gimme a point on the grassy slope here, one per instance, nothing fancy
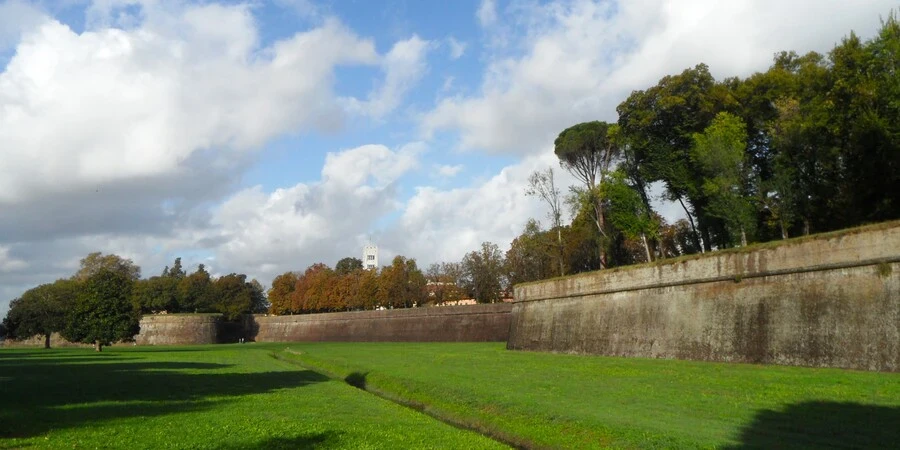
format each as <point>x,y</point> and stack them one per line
<point>228,396</point>
<point>581,401</point>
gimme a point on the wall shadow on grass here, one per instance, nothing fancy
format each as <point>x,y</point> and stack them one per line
<point>42,394</point>
<point>823,425</point>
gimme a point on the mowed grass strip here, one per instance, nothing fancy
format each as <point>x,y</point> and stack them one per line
<point>570,401</point>
<point>227,396</point>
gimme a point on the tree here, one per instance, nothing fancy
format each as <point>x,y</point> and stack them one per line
<point>196,293</point>
<point>402,284</point>
<point>627,211</point>
<point>280,295</point>
<point>95,262</point>
<point>258,301</point>
<point>176,271</point>
<point>528,259</point>
<point>587,151</point>
<point>659,124</point>
<point>482,273</point>
<point>41,310</point>
<point>719,151</point>
<point>156,294</point>
<point>236,296</point>
<point>348,265</point>
<point>541,184</point>
<point>441,283</point>
<point>103,313</point>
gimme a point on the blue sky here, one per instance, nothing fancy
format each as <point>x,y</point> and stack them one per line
<point>264,136</point>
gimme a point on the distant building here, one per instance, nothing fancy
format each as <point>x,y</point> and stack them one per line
<point>370,257</point>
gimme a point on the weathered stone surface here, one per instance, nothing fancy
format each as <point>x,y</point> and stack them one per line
<point>832,301</point>
<point>56,341</point>
<point>179,329</point>
<point>428,324</point>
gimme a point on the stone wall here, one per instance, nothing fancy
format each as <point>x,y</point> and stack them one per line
<point>56,341</point>
<point>179,329</point>
<point>428,324</point>
<point>825,301</point>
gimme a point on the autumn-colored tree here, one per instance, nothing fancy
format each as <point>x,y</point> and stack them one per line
<point>280,294</point>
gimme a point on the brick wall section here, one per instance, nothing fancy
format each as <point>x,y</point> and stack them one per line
<point>473,323</point>
<point>829,301</point>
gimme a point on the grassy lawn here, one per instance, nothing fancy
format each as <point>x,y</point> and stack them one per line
<point>568,401</point>
<point>227,396</point>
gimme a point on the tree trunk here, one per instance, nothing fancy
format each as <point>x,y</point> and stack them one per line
<point>561,250</point>
<point>601,227</point>
<point>784,231</point>
<point>98,346</point>
<point>693,227</point>
<point>47,340</point>
<point>646,247</point>
<point>805,226</point>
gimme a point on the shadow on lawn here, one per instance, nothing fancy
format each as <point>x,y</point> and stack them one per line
<point>309,440</point>
<point>823,425</point>
<point>47,393</point>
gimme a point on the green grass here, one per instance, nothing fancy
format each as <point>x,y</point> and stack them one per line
<point>568,401</point>
<point>227,396</point>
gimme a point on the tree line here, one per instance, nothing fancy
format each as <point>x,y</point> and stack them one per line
<point>810,145</point>
<point>103,301</point>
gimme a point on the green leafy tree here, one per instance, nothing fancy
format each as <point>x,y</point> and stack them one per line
<point>348,265</point>
<point>659,123</point>
<point>482,273</point>
<point>103,313</point>
<point>588,151</point>
<point>720,153</point>
<point>258,301</point>
<point>234,295</point>
<point>95,262</point>
<point>628,212</point>
<point>531,255</point>
<point>41,310</point>
<point>156,294</point>
<point>177,271</point>
<point>196,293</point>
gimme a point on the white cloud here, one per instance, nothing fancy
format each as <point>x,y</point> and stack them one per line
<point>487,13</point>
<point>442,225</point>
<point>170,91</point>
<point>448,171</point>
<point>293,227</point>
<point>582,58</point>
<point>403,66</point>
<point>457,48</point>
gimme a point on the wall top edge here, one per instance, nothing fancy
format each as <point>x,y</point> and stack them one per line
<point>873,244</point>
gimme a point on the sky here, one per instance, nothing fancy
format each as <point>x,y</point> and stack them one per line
<point>261,137</point>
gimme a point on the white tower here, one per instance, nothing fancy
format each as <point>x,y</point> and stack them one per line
<point>370,257</point>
